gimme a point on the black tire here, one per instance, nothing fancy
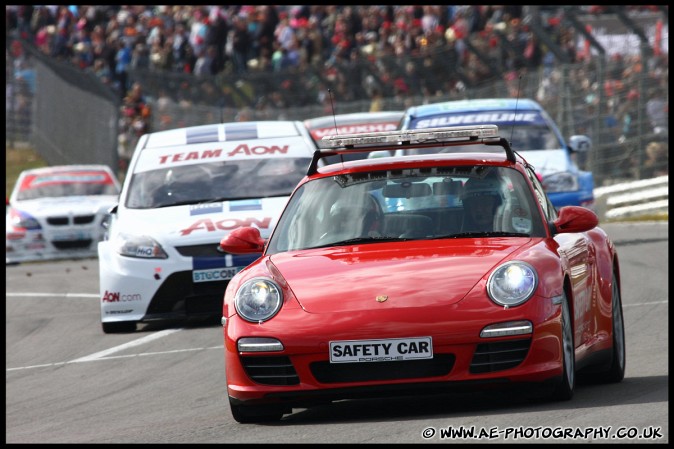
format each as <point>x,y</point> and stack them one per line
<point>119,327</point>
<point>246,414</point>
<point>616,371</point>
<point>564,390</point>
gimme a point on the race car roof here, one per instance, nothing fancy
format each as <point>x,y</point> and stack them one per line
<point>223,132</point>
<point>353,123</point>
<point>477,105</point>
<point>224,141</point>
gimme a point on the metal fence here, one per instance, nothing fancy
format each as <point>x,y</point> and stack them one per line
<point>626,143</point>
<point>73,120</point>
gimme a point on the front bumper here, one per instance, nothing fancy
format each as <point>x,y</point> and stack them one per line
<point>302,373</point>
<point>143,290</point>
<point>37,245</point>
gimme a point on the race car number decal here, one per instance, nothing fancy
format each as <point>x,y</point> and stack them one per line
<point>381,350</point>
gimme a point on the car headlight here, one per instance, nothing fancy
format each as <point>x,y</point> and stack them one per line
<point>19,219</point>
<point>512,283</point>
<point>258,300</point>
<point>560,182</point>
<point>140,246</point>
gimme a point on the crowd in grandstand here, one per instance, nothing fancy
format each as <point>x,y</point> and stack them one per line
<point>109,40</point>
<point>207,40</point>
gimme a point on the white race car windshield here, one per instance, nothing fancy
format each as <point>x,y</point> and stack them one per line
<point>219,181</point>
<point>56,185</point>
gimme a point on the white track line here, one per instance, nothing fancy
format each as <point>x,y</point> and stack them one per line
<point>104,355</point>
<point>130,344</point>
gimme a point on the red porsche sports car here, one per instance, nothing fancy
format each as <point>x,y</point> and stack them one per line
<point>414,274</point>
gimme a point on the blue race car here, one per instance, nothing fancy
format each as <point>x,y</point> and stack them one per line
<point>535,136</point>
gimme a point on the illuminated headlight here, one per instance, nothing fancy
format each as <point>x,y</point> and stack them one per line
<point>560,182</point>
<point>140,246</point>
<point>23,220</point>
<point>258,300</point>
<point>512,283</point>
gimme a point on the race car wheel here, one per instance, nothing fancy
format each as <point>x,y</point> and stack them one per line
<point>119,327</point>
<point>616,372</point>
<point>246,414</point>
<point>564,389</point>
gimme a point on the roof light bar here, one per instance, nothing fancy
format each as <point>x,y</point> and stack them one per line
<point>411,136</point>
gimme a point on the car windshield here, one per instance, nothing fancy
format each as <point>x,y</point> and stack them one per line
<point>526,131</point>
<point>215,181</point>
<point>56,185</point>
<point>398,205</point>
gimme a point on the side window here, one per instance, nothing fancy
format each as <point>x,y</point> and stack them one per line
<point>548,209</point>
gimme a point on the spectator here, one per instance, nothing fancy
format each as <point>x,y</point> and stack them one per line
<point>657,160</point>
<point>657,109</point>
<point>122,61</point>
<point>240,44</point>
<point>627,114</point>
<point>205,64</point>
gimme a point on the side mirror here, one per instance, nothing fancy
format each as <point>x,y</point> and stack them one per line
<point>574,219</point>
<point>244,240</point>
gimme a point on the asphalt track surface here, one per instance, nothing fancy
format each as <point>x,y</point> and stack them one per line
<point>67,382</point>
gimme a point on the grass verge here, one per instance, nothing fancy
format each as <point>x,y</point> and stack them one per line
<point>18,160</point>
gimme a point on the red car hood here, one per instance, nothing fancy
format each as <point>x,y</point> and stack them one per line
<point>411,274</point>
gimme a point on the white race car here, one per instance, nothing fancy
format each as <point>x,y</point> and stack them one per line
<point>184,191</point>
<point>57,212</point>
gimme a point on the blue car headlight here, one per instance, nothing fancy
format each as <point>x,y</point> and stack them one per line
<point>512,283</point>
<point>140,246</point>
<point>561,182</point>
<point>258,299</point>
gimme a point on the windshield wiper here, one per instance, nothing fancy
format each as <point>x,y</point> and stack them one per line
<point>357,240</point>
<point>482,234</point>
<point>178,203</point>
<point>241,198</point>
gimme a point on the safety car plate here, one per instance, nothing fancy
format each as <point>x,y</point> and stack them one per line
<point>349,351</point>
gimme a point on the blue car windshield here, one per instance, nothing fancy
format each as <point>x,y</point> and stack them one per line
<point>526,130</point>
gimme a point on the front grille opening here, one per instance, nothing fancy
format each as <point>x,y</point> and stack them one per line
<point>498,356</point>
<point>72,244</point>
<point>205,250</point>
<point>326,372</point>
<point>178,294</point>
<point>270,370</point>
<point>58,221</point>
<point>84,219</point>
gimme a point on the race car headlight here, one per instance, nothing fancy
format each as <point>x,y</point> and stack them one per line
<point>19,219</point>
<point>140,246</point>
<point>561,182</point>
<point>512,283</point>
<point>258,300</point>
